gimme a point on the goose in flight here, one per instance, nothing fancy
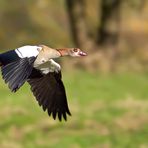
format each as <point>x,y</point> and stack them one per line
<point>35,65</point>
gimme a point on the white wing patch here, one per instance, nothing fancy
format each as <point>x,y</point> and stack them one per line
<point>50,66</point>
<point>28,51</point>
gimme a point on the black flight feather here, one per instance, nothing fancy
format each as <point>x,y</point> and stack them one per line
<point>50,94</point>
<point>17,72</point>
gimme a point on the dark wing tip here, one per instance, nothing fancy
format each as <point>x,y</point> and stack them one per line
<point>59,114</point>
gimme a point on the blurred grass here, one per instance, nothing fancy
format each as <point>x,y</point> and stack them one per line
<point>108,111</point>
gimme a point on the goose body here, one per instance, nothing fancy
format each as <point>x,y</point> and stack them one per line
<point>35,65</point>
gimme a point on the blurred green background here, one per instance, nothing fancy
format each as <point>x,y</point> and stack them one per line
<point>107,90</point>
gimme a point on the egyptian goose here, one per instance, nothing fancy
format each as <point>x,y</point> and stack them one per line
<point>35,65</point>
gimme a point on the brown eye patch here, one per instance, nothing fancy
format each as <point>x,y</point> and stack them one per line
<point>75,50</point>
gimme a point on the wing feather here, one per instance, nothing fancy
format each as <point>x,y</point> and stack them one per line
<point>50,94</point>
<point>16,73</point>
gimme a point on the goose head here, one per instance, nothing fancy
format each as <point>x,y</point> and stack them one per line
<point>73,52</point>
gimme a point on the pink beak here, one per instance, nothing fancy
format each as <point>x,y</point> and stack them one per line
<point>81,53</point>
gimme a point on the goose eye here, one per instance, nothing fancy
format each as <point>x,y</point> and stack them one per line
<point>75,50</point>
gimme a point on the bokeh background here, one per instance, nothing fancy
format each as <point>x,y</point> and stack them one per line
<point>107,90</point>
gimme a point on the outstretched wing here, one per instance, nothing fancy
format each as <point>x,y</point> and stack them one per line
<point>16,73</point>
<point>50,94</point>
